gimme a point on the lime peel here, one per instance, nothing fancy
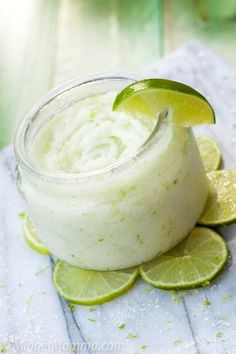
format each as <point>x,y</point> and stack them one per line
<point>220,208</point>
<point>192,263</point>
<point>147,98</point>
<point>210,153</point>
<point>87,287</point>
<point>31,236</point>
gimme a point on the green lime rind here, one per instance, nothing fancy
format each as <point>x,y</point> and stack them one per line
<point>31,236</point>
<point>163,84</point>
<point>86,287</point>
<point>22,214</point>
<point>210,153</point>
<point>220,208</point>
<point>149,97</point>
<point>196,261</point>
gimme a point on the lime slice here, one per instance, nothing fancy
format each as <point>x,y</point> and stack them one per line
<point>210,153</point>
<point>147,98</point>
<point>32,237</point>
<point>194,262</point>
<point>220,207</point>
<point>88,287</point>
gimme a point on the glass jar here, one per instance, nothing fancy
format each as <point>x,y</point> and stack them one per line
<point>124,214</point>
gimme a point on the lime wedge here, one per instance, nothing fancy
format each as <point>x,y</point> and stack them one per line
<point>32,237</point>
<point>210,153</point>
<point>220,207</point>
<point>88,287</point>
<point>147,98</point>
<point>194,262</point>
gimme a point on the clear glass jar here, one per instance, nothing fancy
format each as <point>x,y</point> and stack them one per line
<point>122,215</point>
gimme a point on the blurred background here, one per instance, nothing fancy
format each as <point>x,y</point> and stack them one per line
<point>45,42</point>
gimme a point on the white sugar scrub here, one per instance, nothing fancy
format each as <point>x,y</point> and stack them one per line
<point>88,136</point>
<point>103,190</point>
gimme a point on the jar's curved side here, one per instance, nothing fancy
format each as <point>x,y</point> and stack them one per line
<point>127,226</point>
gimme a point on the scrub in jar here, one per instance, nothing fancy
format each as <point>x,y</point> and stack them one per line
<point>107,197</point>
<point>88,137</point>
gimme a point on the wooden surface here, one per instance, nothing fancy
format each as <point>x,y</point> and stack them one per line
<point>156,322</point>
<point>45,42</point>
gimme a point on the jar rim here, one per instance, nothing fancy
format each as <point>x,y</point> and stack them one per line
<point>20,143</point>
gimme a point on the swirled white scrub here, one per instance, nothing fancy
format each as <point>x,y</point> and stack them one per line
<point>121,217</point>
<point>88,137</point>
